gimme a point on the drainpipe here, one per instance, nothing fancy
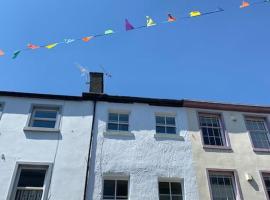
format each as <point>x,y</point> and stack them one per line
<point>87,175</point>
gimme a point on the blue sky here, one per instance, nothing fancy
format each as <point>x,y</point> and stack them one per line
<point>221,57</point>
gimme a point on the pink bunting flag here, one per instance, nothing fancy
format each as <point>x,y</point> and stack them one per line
<point>245,4</point>
<point>2,53</point>
<point>32,46</point>
<point>171,18</point>
<point>128,25</point>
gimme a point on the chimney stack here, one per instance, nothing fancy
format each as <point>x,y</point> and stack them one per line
<point>96,82</point>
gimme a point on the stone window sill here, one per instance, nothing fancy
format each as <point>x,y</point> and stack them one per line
<point>169,136</point>
<point>38,129</point>
<point>228,148</point>
<point>118,133</point>
<point>258,150</point>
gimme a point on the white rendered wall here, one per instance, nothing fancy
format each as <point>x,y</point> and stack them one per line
<point>67,182</point>
<point>141,158</point>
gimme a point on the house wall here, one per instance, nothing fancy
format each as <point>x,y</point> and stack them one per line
<point>141,157</point>
<point>241,158</point>
<point>67,150</point>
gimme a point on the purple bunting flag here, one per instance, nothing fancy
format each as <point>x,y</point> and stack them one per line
<point>128,25</point>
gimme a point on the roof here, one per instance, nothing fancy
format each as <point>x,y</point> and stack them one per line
<point>151,101</point>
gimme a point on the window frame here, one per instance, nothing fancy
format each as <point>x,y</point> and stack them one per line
<point>30,165</point>
<point>264,186</point>
<point>172,180</point>
<point>224,132</point>
<point>115,178</point>
<point>47,107</point>
<point>236,183</point>
<point>118,113</point>
<point>267,126</point>
<point>165,125</point>
<point>1,109</point>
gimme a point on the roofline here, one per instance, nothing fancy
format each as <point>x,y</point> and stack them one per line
<point>151,101</point>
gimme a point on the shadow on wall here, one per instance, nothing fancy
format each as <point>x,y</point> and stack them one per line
<point>254,184</point>
<point>38,135</point>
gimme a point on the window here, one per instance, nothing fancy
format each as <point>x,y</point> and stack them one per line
<point>258,133</point>
<point>115,189</point>
<point>266,180</point>
<point>170,191</point>
<point>30,183</point>
<point>44,117</point>
<point>223,186</point>
<point>118,122</point>
<point>212,130</point>
<point>165,125</point>
<point>1,110</point>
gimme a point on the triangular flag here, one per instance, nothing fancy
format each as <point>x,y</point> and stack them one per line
<point>108,32</point>
<point>171,18</point>
<point>15,54</point>
<point>86,39</point>
<point>67,41</point>
<point>2,53</point>
<point>128,25</point>
<point>195,13</point>
<point>149,21</point>
<point>50,46</point>
<point>32,46</point>
<point>244,4</point>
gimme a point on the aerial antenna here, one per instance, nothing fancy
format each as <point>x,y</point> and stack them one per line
<point>109,75</point>
<point>84,72</point>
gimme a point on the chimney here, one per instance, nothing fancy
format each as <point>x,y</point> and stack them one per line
<point>96,82</point>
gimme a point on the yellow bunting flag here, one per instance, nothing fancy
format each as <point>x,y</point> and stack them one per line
<point>86,39</point>
<point>244,4</point>
<point>149,21</point>
<point>50,46</point>
<point>108,32</point>
<point>195,13</point>
<point>2,53</point>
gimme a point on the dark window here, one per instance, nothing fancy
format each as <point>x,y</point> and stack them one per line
<point>212,131</point>
<point>165,124</point>
<point>115,189</point>
<point>170,191</point>
<point>118,122</point>
<point>44,117</point>
<point>266,179</point>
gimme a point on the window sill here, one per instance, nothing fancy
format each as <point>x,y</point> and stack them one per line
<point>37,129</point>
<point>118,133</point>
<point>228,148</point>
<point>169,136</point>
<point>257,150</point>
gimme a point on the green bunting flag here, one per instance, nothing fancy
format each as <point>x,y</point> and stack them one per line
<point>15,54</point>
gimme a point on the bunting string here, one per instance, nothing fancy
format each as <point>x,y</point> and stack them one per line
<point>128,27</point>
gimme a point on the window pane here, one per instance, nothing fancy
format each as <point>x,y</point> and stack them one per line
<point>112,126</point>
<point>160,120</point>
<point>123,127</point>
<point>113,117</point>
<point>160,129</point>
<point>26,194</point>
<point>43,124</point>
<point>260,140</point>
<point>176,188</point>
<point>177,198</point>
<point>164,197</point>
<point>31,178</point>
<point>109,188</point>
<point>170,120</point>
<point>123,118</point>
<point>45,114</point>
<point>122,188</point>
<point>164,188</point>
<point>171,130</point>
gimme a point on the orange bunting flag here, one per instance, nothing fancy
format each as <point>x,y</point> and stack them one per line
<point>32,46</point>
<point>2,53</point>
<point>171,18</point>
<point>245,4</point>
<point>86,39</point>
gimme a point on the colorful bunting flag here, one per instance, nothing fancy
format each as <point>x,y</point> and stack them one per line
<point>108,32</point>
<point>15,54</point>
<point>128,25</point>
<point>195,13</point>
<point>149,21</point>
<point>2,53</point>
<point>86,39</point>
<point>245,4</point>
<point>32,46</point>
<point>50,46</point>
<point>171,18</point>
<point>67,41</point>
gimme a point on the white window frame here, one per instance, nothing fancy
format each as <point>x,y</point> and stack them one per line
<point>166,125</point>
<point>118,122</point>
<point>172,180</point>
<point>31,118</point>
<point>30,165</point>
<point>113,178</point>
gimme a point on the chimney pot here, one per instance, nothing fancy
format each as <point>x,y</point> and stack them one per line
<point>96,82</point>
